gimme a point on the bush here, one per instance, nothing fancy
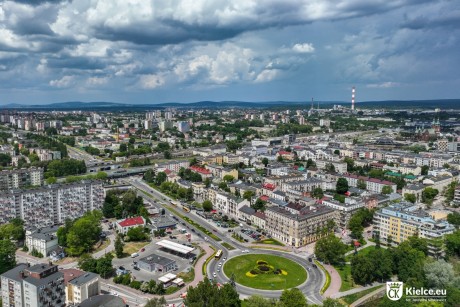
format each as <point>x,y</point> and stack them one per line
<point>264,268</point>
<point>135,284</point>
<point>261,262</point>
<point>253,272</point>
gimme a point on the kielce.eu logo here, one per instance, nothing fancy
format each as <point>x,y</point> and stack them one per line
<point>394,290</point>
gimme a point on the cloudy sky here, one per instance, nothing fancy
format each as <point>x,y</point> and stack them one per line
<point>151,51</point>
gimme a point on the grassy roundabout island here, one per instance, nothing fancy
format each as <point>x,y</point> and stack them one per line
<point>266,272</point>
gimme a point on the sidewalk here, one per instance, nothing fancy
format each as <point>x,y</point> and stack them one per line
<point>336,281</point>
<point>356,290</point>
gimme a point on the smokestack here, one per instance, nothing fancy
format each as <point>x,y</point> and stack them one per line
<point>353,98</point>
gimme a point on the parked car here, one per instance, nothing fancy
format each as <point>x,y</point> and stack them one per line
<point>134,255</point>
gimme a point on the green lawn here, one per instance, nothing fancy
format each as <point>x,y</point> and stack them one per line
<point>270,241</point>
<point>345,274</point>
<point>292,273</point>
<point>356,296</point>
<point>364,251</point>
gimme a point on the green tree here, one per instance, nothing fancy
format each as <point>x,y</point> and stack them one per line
<point>337,152</point>
<point>409,264</point>
<point>425,169</point>
<point>410,197</point>
<point>101,175</point>
<point>160,178</point>
<point>13,230</point>
<point>454,219</point>
<point>248,195</point>
<point>104,265</point>
<point>207,205</point>
<point>361,184</point>
<point>387,190</point>
<point>265,161</point>
<point>228,178</point>
<point>350,163</point>
<point>293,297</point>
<point>51,180</point>
<point>156,302</point>
<point>132,140</point>
<point>87,263</point>
<point>317,193</point>
<point>259,301</point>
<point>119,247</point>
<point>7,255</point>
<point>452,242</point>
<point>330,249</point>
<point>83,234</point>
<point>311,163</point>
<point>110,203</point>
<point>208,294</point>
<point>123,147</point>
<point>428,194</point>
<point>342,186</point>
<point>259,205</point>
<point>136,234</point>
<point>439,274</point>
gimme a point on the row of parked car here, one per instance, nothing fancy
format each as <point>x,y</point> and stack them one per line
<point>251,233</point>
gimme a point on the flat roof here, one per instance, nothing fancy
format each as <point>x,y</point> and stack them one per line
<point>167,278</point>
<point>180,248</point>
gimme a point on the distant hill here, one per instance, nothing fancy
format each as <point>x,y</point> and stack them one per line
<point>103,105</point>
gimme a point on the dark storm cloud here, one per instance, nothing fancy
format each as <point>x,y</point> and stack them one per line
<point>37,2</point>
<point>77,63</point>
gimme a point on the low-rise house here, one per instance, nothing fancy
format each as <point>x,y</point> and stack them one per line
<point>43,240</point>
<point>124,225</point>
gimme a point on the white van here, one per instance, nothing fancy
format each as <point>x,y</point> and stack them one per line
<point>134,255</point>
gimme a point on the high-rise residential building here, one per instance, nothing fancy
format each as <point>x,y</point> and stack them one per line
<point>20,178</point>
<point>52,204</point>
<point>163,125</point>
<point>183,126</point>
<point>148,124</point>
<point>168,115</point>
<point>41,285</point>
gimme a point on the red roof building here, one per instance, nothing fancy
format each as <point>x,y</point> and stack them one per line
<point>201,170</point>
<point>124,225</point>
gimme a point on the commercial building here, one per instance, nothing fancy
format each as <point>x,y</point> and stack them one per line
<point>156,263</point>
<point>20,178</point>
<point>36,286</point>
<point>52,204</point>
<point>297,225</point>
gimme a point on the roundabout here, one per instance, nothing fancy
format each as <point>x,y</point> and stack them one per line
<point>265,272</point>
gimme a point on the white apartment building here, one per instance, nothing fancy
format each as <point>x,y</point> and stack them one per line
<point>44,240</point>
<point>174,166</point>
<point>19,178</point>
<point>52,204</point>
<point>372,184</point>
<point>345,210</point>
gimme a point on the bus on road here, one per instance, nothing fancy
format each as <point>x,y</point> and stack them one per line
<point>218,254</point>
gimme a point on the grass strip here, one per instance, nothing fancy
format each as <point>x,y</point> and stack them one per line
<point>356,296</point>
<point>228,246</point>
<point>328,278</point>
<point>205,264</point>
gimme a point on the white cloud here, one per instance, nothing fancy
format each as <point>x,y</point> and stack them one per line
<point>151,81</point>
<point>267,75</point>
<point>303,48</point>
<point>94,81</point>
<point>64,82</point>
<point>388,84</point>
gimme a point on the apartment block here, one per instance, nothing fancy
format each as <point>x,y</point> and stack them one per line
<point>81,287</point>
<point>20,178</point>
<point>344,210</point>
<point>52,204</point>
<point>372,184</point>
<point>36,286</point>
<point>402,220</point>
<point>297,225</point>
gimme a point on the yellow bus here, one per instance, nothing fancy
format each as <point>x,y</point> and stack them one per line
<point>186,209</point>
<point>218,254</point>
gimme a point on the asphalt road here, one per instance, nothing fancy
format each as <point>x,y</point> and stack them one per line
<point>310,288</point>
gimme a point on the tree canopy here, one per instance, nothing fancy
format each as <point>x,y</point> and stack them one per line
<point>330,249</point>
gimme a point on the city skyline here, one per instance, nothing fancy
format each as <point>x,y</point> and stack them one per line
<point>149,52</point>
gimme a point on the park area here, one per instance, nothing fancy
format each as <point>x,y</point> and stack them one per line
<point>266,272</point>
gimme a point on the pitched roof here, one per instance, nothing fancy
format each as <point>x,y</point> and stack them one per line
<point>132,221</point>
